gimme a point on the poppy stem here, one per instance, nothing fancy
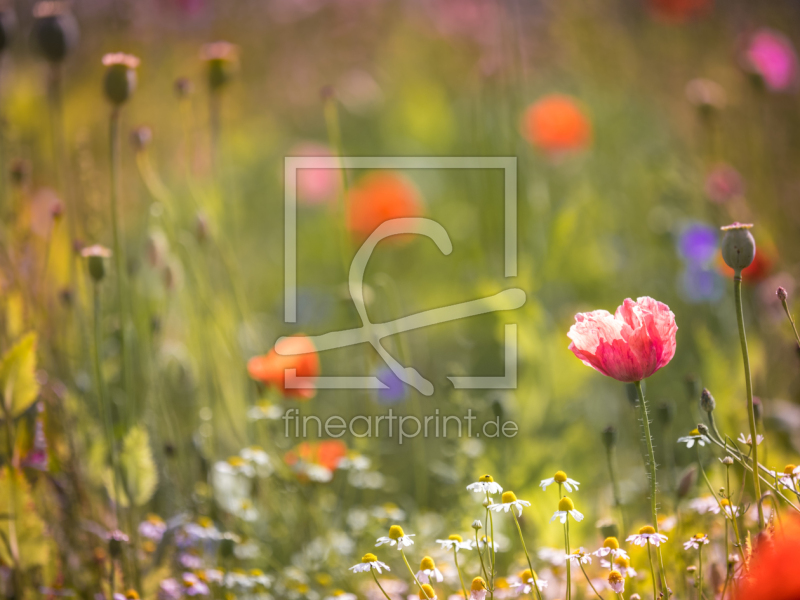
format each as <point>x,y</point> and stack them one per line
<point>737,293</point>
<point>460,577</point>
<point>589,581</point>
<point>653,486</point>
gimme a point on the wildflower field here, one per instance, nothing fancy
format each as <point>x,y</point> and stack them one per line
<point>399,299</point>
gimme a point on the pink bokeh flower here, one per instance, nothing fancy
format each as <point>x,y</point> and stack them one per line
<point>629,345</point>
<point>771,55</point>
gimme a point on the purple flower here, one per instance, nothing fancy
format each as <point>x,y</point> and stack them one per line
<point>170,589</point>
<point>152,528</point>
<point>699,284</point>
<point>192,586</point>
<point>771,55</point>
<point>697,243</point>
<point>190,561</point>
<point>395,391</point>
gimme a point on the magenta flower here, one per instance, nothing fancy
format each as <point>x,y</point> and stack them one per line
<point>771,55</point>
<point>629,345</point>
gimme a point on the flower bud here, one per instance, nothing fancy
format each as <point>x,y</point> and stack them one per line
<point>782,294</point>
<point>727,461</point>
<point>119,82</point>
<point>476,524</point>
<point>222,61</point>
<point>738,246</point>
<point>706,95</point>
<point>55,30</point>
<point>707,402</point>
<point>183,87</point>
<point>609,436</point>
<point>8,26</point>
<point>95,257</point>
<point>141,138</point>
<point>115,540</point>
<point>702,428</point>
<point>664,413</point>
<point>20,172</point>
<point>686,481</point>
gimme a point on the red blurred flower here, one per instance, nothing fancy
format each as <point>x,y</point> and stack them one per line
<point>774,567</point>
<point>629,345</point>
<point>679,10</point>
<point>270,369</point>
<point>557,124</point>
<point>316,461</point>
<point>315,186</point>
<point>379,197</point>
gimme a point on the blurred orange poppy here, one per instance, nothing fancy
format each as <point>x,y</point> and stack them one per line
<point>679,10</point>
<point>316,461</point>
<point>557,124</point>
<point>379,197</point>
<point>774,566</point>
<point>758,270</point>
<point>270,369</point>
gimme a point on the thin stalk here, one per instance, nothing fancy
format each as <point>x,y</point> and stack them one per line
<point>480,556</point>
<point>737,293</point>
<point>791,320</point>
<point>700,569</point>
<point>491,542</point>
<point>652,571</point>
<point>589,581</point>
<point>458,570</point>
<point>13,542</point>
<point>566,549</point>
<point>653,486</point>
<point>527,556</point>
<point>375,577</point>
<point>410,570</point>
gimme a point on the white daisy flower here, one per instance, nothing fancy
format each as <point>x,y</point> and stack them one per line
<point>552,556</point>
<point>611,547</point>
<point>703,504</point>
<point>616,582</point>
<point>790,476</point>
<point>487,542</point>
<point>579,556</point>
<point>354,462</point>
<point>396,537</point>
<point>259,579</point>
<point>478,589</point>
<point>509,501</point>
<point>485,485</point>
<point>264,411</point>
<point>696,541</point>
<point>235,465</point>
<point>368,562</point>
<point>340,595</point>
<point>455,541</point>
<point>647,535</point>
<point>260,460</point>
<point>667,523</point>
<point>524,583</point>
<point>621,564</point>
<point>749,439</point>
<point>566,508</point>
<point>730,511</point>
<point>560,477</point>
<point>214,575</point>
<point>428,571</point>
<point>694,437</point>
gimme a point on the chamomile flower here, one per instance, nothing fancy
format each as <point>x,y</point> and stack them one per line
<point>566,508</point>
<point>485,485</point>
<point>560,477</point>
<point>621,564</point>
<point>478,589</point>
<point>696,541</point>
<point>487,541</point>
<point>368,562</point>
<point>428,571</point>
<point>789,476</point>
<point>235,465</point>
<point>194,586</point>
<point>749,439</point>
<point>694,437</point>
<point>340,595</point>
<point>259,459</point>
<point>579,556</point>
<point>667,523</point>
<point>455,541</point>
<point>703,504</point>
<point>509,501</point>
<point>426,592</point>
<point>647,535</point>
<point>611,546</point>
<point>616,582</point>
<point>524,584</point>
<point>396,537</point>
<point>725,504</point>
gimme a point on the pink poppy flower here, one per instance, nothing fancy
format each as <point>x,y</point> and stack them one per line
<point>771,55</point>
<point>629,345</point>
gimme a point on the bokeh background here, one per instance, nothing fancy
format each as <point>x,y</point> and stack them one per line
<point>682,116</point>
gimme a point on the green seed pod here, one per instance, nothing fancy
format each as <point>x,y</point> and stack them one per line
<point>95,257</point>
<point>707,402</point>
<point>119,82</point>
<point>738,246</point>
<point>609,436</point>
<point>55,31</point>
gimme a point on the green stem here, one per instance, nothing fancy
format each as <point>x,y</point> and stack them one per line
<point>737,293</point>
<point>700,569</point>
<point>490,542</point>
<point>527,556</point>
<point>13,542</point>
<point>648,438</point>
<point>791,320</point>
<point>375,577</point>
<point>480,556</point>
<point>410,570</point>
<point>566,549</point>
<point>652,570</point>
<point>458,570</point>
<point>589,581</point>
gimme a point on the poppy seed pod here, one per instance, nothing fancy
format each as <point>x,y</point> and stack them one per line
<point>738,246</point>
<point>222,61</point>
<point>609,436</point>
<point>55,31</point>
<point>707,402</point>
<point>8,26</point>
<point>95,257</point>
<point>119,82</point>
<point>141,138</point>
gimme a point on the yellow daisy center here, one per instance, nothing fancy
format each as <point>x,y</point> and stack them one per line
<point>725,502</point>
<point>527,575</point>
<point>236,461</point>
<point>154,519</point>
<point>132,595</point>
<point>486,479</point>
<point>694,432</point>
<point>699,536</point>
<point>623,562</point>
<point>426,591</point>
<point>509,497</point>
<point>611,542</point>
<point>455,537</point>
<point>560,477</point>
<point>615,577</point>
<point>501,583</point>
<point>478,584</point>
<point>647,529</point>
<point>396,532</point>
<point>368,558</point>
<point>565,504</point>
<point>256,448</point>
<point>789,469</point>
<point>427,564</point>
<point>205,522</point>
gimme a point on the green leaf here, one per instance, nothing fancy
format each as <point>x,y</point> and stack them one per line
<point>18,376</point>
<point>28,530</point>
<point>139,473</point>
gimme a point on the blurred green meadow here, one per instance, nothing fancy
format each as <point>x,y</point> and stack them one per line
<point>136,391</point>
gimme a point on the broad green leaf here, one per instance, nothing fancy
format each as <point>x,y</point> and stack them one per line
<point>28,530</point>
<point>138,470</point>
<point>18,376</point>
